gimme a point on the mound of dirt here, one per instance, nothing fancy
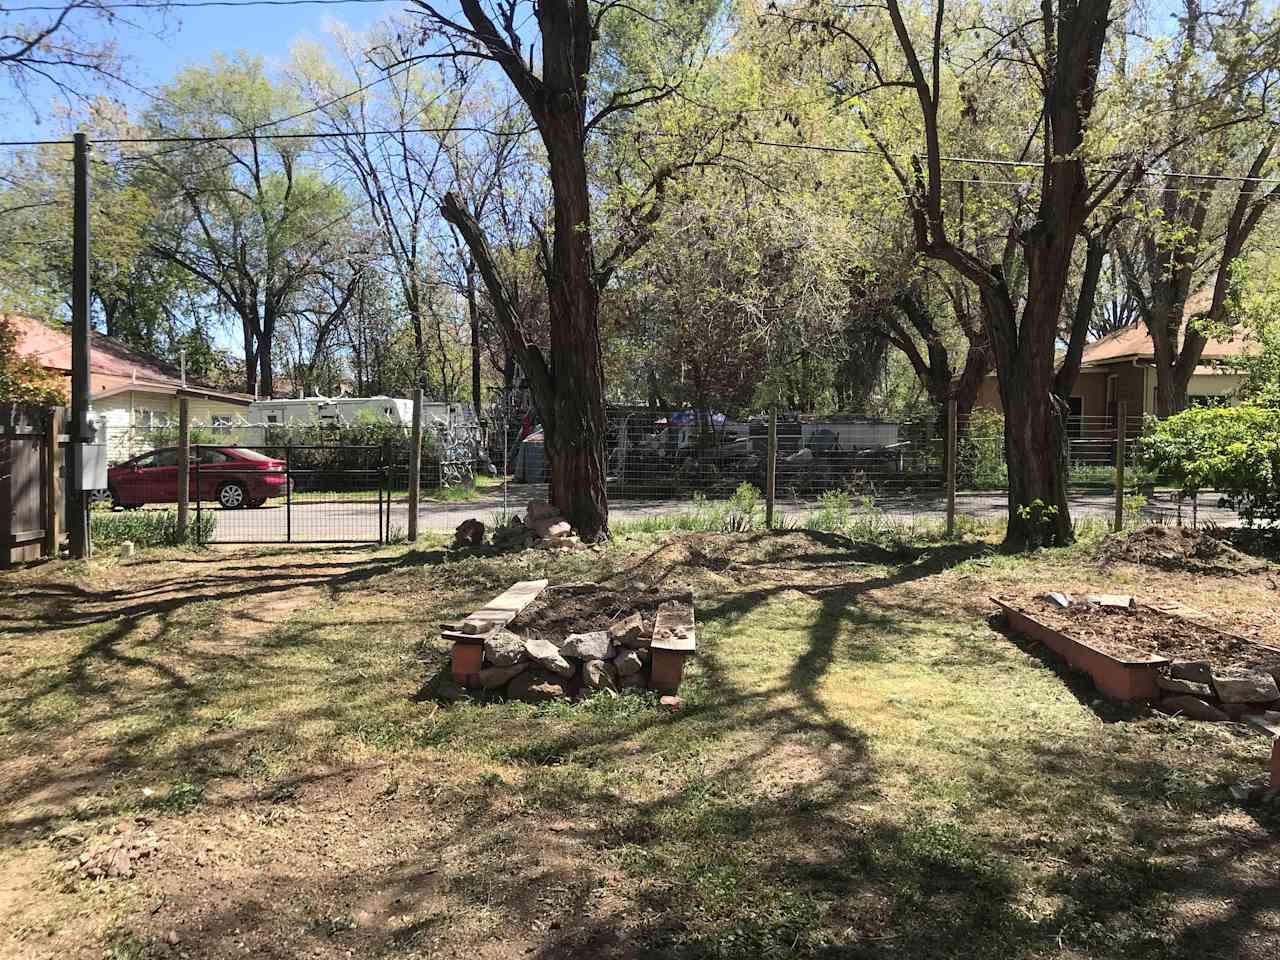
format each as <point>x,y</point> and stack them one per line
<point>1181,549</point>
<point>586,607</point>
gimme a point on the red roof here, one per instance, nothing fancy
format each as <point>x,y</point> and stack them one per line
<point>112,364</point>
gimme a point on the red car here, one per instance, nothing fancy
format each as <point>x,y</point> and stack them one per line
<point>233,476</point>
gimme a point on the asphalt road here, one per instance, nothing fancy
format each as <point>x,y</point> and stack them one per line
<point>355,517</point>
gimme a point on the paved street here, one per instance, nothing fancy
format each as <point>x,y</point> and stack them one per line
<point>356,516</point>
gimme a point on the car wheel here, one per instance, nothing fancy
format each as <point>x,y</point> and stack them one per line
<point>231,496</point>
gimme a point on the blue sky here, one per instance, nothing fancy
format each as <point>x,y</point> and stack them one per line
<point>159,45</point>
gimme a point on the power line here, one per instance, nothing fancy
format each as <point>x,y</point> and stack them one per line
<point>162,5</point>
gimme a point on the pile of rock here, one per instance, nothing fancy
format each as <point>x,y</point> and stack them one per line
<point>1198,690</point>
<point>536,668</point>
<point>542,526</point>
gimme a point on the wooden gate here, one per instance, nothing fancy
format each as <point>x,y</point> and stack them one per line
<point>32,507</point>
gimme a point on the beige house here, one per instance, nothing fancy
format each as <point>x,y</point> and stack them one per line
<point>135,393</point>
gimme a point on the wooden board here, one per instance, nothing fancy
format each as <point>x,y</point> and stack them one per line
<point>673,628</point>
<point>497,613</point>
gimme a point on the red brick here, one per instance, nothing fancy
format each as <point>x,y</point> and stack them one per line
<point>467,658</point>
<point>1275,763</point>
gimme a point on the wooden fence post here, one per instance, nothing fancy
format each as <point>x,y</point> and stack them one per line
<point>415,464</point>
<point>771,469</point>
<point>1121,423</point>
<point>953,449</point>
<point>52,483</point>
<point>184,466</point>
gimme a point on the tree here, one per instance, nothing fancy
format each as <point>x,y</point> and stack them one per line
<point>1214,91</point>
<point>244,213</point>
<point>568,386</point>
<point>22,379</point>
<point>64,46</point>
<point>1048,66</point>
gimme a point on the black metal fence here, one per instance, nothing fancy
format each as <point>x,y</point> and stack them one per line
<point>317,493</point>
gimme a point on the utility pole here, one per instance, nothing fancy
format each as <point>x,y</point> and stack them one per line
<point>78,502</point>
<point>415,464</point>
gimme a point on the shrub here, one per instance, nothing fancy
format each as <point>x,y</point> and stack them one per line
<point>149,528</point>
<point>981,454</point>
<point>1233,450</point>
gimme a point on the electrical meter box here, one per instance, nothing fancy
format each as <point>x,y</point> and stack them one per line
<point>93,454</point>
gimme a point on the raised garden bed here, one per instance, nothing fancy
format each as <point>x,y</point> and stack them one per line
<point>535,642</point>
<point>1137,652</point>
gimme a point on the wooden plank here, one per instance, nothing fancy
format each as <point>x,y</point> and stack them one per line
<point>52,483</point>
<point>500,611</point>
<point>673,628</point>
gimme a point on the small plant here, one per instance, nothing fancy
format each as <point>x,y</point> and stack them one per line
<point>1131,509</point>
<point>743,510</point>
<point>1039,518</point>
<point>832,515</point>
<point>150,528</point>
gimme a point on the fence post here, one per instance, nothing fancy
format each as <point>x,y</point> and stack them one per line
<point>952,454</point>
<point>184,466</point>
<point>53,483</point>
<point>1121,422</point>
<point>415,465</point>
<point>288,494</point>
<point>771,469</point>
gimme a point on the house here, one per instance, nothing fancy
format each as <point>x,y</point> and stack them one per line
<point>134,392</point>
<point>1121,367</point>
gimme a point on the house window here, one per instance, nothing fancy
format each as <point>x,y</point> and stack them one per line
<point>272,418</point>
<point>1206,400</point>
<point>152,419</point>
<point>222,421</point>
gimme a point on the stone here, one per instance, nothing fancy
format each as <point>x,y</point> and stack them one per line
<point>539,510</point>
<point>587,646</point>
<point>1193,708</point>
<point>1197,671</point>
<point>504,649</point>
<point>632,681</point>
<point>450,692</point>
<point>1058,599</point>
<point>628,662</point>
<point>470,533</point>
<point>552,529</point>
<point>547,655</point>
<point>493,677</point>
<point>671,702</point>
<point>1267,721</point>
<point>599,675</point>
<point>1201,690</point>
<point>628,632</point>
<point>535,686</point>
<point>1120,601</point>
<point>1249,686</point>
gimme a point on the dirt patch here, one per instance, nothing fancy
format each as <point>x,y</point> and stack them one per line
<point>585,607</point>
<point>1120,632</point>
<point>1181,548</point>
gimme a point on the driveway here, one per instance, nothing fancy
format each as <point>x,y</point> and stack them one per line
<point>348,518</point>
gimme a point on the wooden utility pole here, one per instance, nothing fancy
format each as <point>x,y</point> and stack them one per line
<point>953,448</point>
<point>415,463</point>
<point>1121,418</point>
<point>771,469</point>
<point>184,466</point>
<point>77,501</point>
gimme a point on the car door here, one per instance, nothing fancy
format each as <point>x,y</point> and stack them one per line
<point>212,470</point>
<point>160,480</point>
<point>129,483</point>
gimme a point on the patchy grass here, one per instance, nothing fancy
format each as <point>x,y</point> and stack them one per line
<point>862,766</point>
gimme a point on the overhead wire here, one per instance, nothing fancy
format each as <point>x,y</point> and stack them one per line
<point>166,4</point>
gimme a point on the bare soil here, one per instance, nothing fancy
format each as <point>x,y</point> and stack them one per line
<point>1120,632</point>
<point>1181,548</point>
<point>586,607</point>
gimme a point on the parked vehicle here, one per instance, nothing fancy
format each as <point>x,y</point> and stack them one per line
<point>233,476</point>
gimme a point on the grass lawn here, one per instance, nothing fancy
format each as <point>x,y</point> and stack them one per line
<point>863,766</point>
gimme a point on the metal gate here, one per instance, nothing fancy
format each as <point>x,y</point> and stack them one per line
<point>317,493</point>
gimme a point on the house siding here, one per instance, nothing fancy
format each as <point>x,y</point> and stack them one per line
<point>131,415</point>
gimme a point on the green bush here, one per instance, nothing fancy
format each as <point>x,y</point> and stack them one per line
<point>981,455</point>
<point>149,528</point>
<point>1233,450</point>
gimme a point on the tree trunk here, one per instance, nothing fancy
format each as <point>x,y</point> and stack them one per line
<point>575,440</point>
<point>473,310</point>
